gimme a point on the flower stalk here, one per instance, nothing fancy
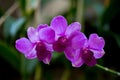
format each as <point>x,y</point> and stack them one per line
<point>108,70</point>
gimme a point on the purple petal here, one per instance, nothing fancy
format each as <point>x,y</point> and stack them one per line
<point>32,34</point>
<point>72,28</point>
<point>59,25</point>
<point>39,27</point>
<point>77,61</point>
<point>26,47</point>
<point>49,47</point>
<point>23,45</point>
<point>47,34</point>
<point>78,40</point>
<point>48,58</point>
<point>69,53</point>
<point>31,54</point>
<point>98,54</point>
<point>96,42</point>
<point>74,56</point>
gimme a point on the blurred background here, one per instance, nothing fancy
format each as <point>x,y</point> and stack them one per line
<point>96,16</point>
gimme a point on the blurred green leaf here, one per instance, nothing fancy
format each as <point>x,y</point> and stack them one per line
<point>99,8</point>
<point>1,12</point>
<point>7,26</point>
<point>44,2</point>
<point>110,12</point>
<point>31,65</point>
<point>27,67</point>
<point>31,5</point>
<point>12,26</point>
<point>38,72</point>
<point>22,4</point>
<point>117,37</point>
<point>56,55</point>
<point>16,26</point>
<point>10,55</point>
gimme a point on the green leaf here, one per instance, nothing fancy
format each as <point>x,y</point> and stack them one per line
<point>7,26</point>
<point>31,64</point>
<point>12,26</point>
<point>16,26</point>
<point>117,37</point>
<point>27,67</point>
<point>10,55</point>
<point>99,8</point>
<point>31,5</point>
<point>110,12</point>
<point>56,55</point>
<point>22,4</point>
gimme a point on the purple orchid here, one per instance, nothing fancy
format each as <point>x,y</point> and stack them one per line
<point>39,44</point>
<point>92,50</point>
<point>65,34</point>
<point>61,37</point>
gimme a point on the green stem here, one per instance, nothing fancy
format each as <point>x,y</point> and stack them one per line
<point>66,74</point>
<point>38,73</point>
<point>108,70</point>
<point>80,12</point>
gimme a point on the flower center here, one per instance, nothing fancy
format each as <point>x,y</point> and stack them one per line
<point>60,44</point>
<point>41,51</point>
<point>62,39</point>
<point>88,57</point>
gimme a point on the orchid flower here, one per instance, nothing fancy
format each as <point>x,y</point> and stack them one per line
<point>64,33</point>
<point>89,52</point>
<point>61,37</point>
<point>38,44</point>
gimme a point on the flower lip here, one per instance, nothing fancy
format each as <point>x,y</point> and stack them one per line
<point>62,39</point>
<point>60,44</point>
<point>88,57</point>
<point>41,51</point>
